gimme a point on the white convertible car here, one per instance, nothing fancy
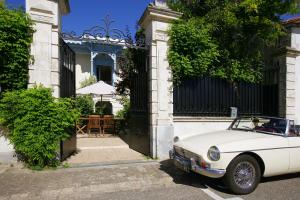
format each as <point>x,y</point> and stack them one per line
<point>249,149</point>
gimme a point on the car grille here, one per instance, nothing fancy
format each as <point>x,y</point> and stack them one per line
<point>184,153</point>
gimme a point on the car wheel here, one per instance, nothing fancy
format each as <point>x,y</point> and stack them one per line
<point>243,175</point>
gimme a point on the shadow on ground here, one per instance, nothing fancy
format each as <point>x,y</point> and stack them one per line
<point>199,181</point>
<point>280,178</point>
<point>137,142</point>
<point>191,179</point>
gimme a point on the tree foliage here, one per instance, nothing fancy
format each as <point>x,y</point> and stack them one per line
<point>88,81</point>
<point>225,38</point>
<point>130,63</point>
<point>85,104</point>
<point>15,39</point>
<point>124,112</point>
<point>192,48</point>
<point>37,123</point>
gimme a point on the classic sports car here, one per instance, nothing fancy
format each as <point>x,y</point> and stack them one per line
<point>248,149</point>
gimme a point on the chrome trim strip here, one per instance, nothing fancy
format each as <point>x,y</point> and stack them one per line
<point>295,147</point>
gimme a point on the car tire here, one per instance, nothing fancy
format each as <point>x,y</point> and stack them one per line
<point>243,175</point>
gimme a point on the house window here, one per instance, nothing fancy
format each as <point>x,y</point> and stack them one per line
<point>104,73</point>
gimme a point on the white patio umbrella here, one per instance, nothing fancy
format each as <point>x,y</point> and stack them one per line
<point>98,89</point>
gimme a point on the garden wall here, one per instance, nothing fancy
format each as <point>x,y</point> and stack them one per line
<point>185,126</point>
<point>6,151</point>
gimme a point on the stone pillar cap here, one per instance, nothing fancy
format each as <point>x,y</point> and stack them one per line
<point>159,13</point>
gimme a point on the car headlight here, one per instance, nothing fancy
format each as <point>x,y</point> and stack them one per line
<point>213,153</point>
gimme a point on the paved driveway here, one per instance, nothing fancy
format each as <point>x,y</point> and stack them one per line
<point>150,180</point>
<point>103,150</point>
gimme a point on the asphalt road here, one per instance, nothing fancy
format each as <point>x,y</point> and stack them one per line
<point>151,180</point>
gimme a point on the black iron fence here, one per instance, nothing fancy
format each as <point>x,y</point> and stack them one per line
<point>207,96</point>
<point>67,70</point>
<point>67,89</point>
<point>139,85</point>
<point>271,93</point>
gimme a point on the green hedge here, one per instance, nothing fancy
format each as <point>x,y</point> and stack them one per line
<point>37,123</point>
<point>85,105</point>
<point>15,39</point>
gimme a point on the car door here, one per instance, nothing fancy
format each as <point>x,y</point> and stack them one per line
<point>294,147</point>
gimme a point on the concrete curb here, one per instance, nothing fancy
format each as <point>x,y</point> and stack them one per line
<point>111,164</point>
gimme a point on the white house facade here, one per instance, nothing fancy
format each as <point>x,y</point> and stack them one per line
<point>97,57</point>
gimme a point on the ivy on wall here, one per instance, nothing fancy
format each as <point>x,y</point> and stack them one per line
<point>225,39</point>
<point>15,39</point>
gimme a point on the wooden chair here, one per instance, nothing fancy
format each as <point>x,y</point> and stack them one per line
<point>108,124</point>
<point>81,125</point>
<point>94,123</point>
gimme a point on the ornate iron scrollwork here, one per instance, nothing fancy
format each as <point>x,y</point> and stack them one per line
<point>107,35</point>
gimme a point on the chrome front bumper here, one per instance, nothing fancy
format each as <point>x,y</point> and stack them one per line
<point>187,165</point>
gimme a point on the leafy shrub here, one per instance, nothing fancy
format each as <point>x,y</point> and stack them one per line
<point>192,50</point>
<point>125,102</point>
<point>37,123</point>
<point>15,38</point>
<point>88,81</point>
<point>84,104</point>
<point>103,108</point>
<point>235,45</point>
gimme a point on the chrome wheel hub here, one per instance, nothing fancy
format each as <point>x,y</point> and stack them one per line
<point>244,175</point>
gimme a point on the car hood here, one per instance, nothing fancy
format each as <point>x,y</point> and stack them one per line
<point>228,140</point>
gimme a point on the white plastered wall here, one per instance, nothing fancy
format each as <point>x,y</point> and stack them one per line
<point>185,126</point>
<point>83,68</point>
<point>297,95</point>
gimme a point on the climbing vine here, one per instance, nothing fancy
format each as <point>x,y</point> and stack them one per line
<point>15,39</point>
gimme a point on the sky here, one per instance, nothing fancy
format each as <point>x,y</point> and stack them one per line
<point>88,13</point>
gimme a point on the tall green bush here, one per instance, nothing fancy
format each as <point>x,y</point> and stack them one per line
<point>224,38</point>
<point>15,39</point>
<point>124,113</point>
<point>37,123</point>
<point>85,104</point>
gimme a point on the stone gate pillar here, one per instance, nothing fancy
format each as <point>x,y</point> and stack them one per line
<point>46,16</point>
<point>288,59</point>
<point>156,22</point>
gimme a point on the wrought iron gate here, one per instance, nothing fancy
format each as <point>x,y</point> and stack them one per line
<point>67,70</point>
<point>67,89</point>
<point>139,106</point>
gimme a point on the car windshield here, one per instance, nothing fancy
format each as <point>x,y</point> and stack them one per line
<point>261,124</point>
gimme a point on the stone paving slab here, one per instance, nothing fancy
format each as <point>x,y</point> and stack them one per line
<point>104,155</point>
<point>3,168</point>
<point>80,183</point>
<point>101,150</point>
<point>102,142</point>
